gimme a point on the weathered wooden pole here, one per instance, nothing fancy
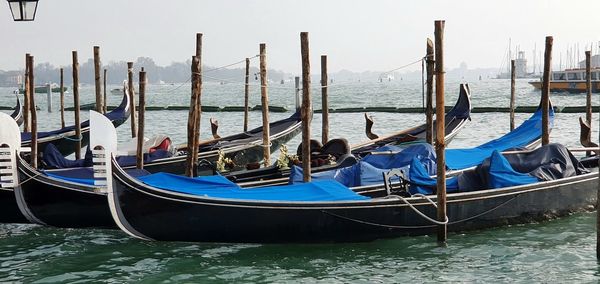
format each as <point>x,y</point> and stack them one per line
<point>440,147</point>
<point>142,109</point>
<point>76,105</point>
<point>192,116</point>
<point>131,99</point>
<point>62,98</point>
<point>264,99</point>
<point>34,146</point>
<point>588,87</point>
<point>297,93</point>
<point>324,103</point>
<point>306,106</point>
<point>49,97</point>
<point>104,91</point>
<point>512,94</point>
<point>99,98</point>
<point>246,94</point>
<point>26,96</point>
<point>546,90</point>
<point>429,92</point>
<point>198,107</point>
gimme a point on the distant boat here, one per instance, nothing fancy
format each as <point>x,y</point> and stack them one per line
<point>571,80</point>
<point>43,89</point>
<point>116,91</point>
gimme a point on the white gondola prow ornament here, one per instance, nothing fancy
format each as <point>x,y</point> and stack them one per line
<point>10,140</point>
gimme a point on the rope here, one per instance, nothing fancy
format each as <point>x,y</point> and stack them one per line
<point>403,66</point>
<point>421,213</point>
<point>229,65</point>
<point>420,227</point>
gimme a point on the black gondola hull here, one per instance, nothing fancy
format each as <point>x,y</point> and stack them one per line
<point>56,203</point>
<point>9,211</point>
<point>161,215</point>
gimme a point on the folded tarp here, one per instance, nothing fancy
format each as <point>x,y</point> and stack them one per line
<point>527,133</point>
<point>221,187</point>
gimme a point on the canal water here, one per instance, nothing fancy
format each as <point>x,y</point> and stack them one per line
<point>558,250</point>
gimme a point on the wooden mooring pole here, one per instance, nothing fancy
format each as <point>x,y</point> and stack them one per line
<point>104,91</point>
<point>140,138</point>
<point>297,91</point>
<point>34,146</point>
<point>26,96</point>
<point>131,99</point>
<point>440,146</point>
<point>512,94</point>
<point>306,106</point>
<point>76,105</point>
<point>62,98</point>
<point>246,94</point>
<point>264,99</point>
<point>192,116</point>
<point>99,98</point>
<point>198,106</point>
<point>324,102</point>
<point>588,97</point>
<point>546,91</point>
<point>429,92</point>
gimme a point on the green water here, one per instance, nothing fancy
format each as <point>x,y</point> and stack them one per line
<point>557,251</point>
<point>561,250</point>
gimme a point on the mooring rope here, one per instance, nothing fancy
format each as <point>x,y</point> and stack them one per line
<point>421,227</point>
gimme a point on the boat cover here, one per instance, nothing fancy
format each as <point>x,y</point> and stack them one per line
<point>370,169</point>
<point>85,175</point>
<point>220,187</point>
<point>549,162</point>
<point>528,132</point>
<point>53,159</point>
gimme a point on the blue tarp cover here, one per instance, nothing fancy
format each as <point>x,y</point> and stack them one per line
<point>422,182</point>
<point>502,174</point>
<point>358,174</point>
<point>221,187</point>
<point>526,133</point>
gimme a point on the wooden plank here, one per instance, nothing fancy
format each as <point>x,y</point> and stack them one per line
<point>264,99</point>
<point>440,130</point>
<point>306,106</point>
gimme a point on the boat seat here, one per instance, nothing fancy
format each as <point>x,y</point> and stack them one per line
<point>336,147</point>
<point>315,146</point>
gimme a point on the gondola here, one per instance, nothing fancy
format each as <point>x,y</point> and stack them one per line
<point>17,114</point>
<point>168,208</point>
<point>65,139</point>
<point>455,120</point>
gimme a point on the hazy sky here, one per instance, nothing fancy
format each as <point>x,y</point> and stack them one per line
<point>356,35</point>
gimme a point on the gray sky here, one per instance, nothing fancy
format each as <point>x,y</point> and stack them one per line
<point>356,35</point>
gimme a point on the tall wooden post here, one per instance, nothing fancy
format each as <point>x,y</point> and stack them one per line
<point>76,105</point>
<point>546,90</point>
<point>62,98</point>
<point>131,99</point>
<point>429,93</point>
<point>34,146</point>
<point>306,106</point>
<point>142,110</point>
<point>588,87</point>
<point>246,94</point>
<point>26,96</point>
<point>104,91</point>
<point>198,107</point>
<point>512,94</point>
<point>99,98</point>
<point>264,99</point>
<point>297,92</point>
<point>192,116</point>
<point>324,103</point>
<point>440,146</point>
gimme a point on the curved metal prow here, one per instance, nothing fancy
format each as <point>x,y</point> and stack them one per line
<point>214,126</point>
<point>369,126</point>
<point>585,136</point>
<point>10,140</point>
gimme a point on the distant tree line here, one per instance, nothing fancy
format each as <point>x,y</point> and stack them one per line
<point>117,72</point>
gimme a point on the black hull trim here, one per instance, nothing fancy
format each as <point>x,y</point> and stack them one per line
<point>9,211</point>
